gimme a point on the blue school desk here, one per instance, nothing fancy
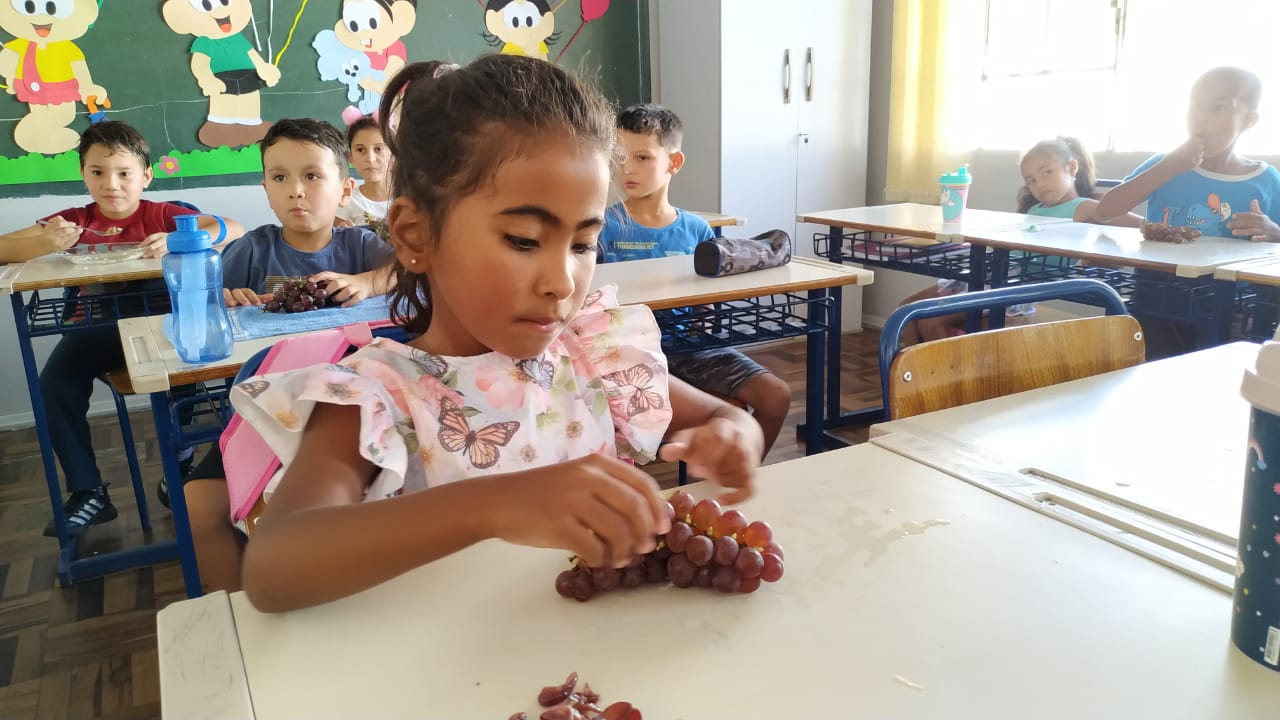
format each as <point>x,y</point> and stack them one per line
<point>907,594</point>
<point>41,307</point>
<point>783,302</point>
<point>909,237</point>
<point>719,222</point>
<point>1001,248</point>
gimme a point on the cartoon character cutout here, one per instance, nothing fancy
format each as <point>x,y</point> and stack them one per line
<point>229,70</point>
<point>337,62</point>
<point>521,27</point>
<point>364,50</point>
<point>46,70</point>
<point>1219,208</point>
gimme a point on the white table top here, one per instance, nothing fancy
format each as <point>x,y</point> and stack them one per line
<point>884,612</point>
<point>917,220</point>
<point>715,219</point>
<point>1103,243</point>
<point>1259,271</point>
<point>1162,444</point>
<point>663,283</point>
<point>55,271</point>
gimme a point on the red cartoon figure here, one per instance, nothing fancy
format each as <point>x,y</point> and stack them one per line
<point>375,28</point>
<point>45,69</point>
<point>227,67</point>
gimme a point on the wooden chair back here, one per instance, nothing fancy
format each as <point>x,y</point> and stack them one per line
<point>980,366</point>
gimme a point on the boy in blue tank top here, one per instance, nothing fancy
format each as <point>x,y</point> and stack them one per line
<point>646,225</point>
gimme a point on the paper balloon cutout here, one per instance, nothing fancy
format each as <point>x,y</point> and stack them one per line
<point>591,10</point>
<point>594,9</point>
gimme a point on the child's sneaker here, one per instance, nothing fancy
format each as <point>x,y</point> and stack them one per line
<point>85,508</point>
<point>186,460</point>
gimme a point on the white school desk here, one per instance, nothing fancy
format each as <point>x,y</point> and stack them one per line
<point>664,283</point>
<point>1159,447</point>
<point>719,221</point>
<point>1125,246</point>
<point>907,595</point>
<point>1258,271</point>
<point>933,250</point>
<point>35,289</point>
<point>922,221</point>
<point>1164,263</point>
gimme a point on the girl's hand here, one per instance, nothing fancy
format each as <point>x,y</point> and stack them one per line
<point>244,297</point>
<point>60,234</point>
<point>597,507</point>
<point>1186,156</point>
<point>156,244</point>
<point>346,289</point>
<point>341,222</point>
<point>721,450</point>
<point>1254,225</point>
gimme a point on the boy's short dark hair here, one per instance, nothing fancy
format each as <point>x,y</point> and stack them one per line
<point>364,123</point>
<point>1248,86</point>
<point>119,137</point>
<point>651,119</point>
<point>316,132</point>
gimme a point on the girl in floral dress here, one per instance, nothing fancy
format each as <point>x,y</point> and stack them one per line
<point>536,392</point>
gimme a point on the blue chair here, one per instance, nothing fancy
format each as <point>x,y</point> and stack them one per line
<point>979,366</point>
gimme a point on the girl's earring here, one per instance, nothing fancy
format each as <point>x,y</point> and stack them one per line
<point>413,261</point>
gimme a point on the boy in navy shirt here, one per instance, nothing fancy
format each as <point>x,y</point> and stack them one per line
<point>305,175</point>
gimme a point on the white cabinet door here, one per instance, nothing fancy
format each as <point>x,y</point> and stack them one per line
<point>758,141</point>
<point>835,75</point>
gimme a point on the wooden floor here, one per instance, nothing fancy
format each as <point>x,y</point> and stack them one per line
<point>89,651</point>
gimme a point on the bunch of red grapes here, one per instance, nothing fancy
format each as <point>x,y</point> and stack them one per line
<point>1158,232</point>
<point>299,295</point>
<point>706,546</point>
<point>566,702</point>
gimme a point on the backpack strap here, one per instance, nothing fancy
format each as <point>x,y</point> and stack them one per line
<point>247,459</point>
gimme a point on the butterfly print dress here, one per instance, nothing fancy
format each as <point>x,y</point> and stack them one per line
<point>427,419</point>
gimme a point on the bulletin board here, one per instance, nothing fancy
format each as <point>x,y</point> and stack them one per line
<point>132,51</point>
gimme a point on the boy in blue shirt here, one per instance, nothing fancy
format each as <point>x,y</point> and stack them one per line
<point>1202,184</point>
<point>646,225</point>
<point>305,175</point>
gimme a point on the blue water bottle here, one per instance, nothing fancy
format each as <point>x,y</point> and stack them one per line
<point>193,272</point>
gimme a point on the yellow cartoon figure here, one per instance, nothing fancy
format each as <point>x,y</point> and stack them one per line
<point>521,27</point>
<point>44,69</point>
<point>227,67</point>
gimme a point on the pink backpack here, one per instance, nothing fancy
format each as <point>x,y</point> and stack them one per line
<point>247,460</point>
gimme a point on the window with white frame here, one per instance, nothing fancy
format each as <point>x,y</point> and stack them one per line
<point>1117,73</point>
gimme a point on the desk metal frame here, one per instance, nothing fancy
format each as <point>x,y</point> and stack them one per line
<point>59,315</point>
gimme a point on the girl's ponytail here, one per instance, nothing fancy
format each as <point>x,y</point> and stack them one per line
<point>1086,171</point>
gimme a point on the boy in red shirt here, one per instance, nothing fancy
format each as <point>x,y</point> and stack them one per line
<point>115,163</point>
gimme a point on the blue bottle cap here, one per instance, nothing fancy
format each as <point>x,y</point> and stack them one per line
<point>190,238</point>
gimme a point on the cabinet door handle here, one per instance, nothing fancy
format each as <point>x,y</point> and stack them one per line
<point>786,77</point>
<point>808,74</point>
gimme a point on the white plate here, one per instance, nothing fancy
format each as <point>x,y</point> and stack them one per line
<point>103,253</point>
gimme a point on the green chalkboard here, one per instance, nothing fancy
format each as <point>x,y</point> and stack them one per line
<point>145,68</point>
